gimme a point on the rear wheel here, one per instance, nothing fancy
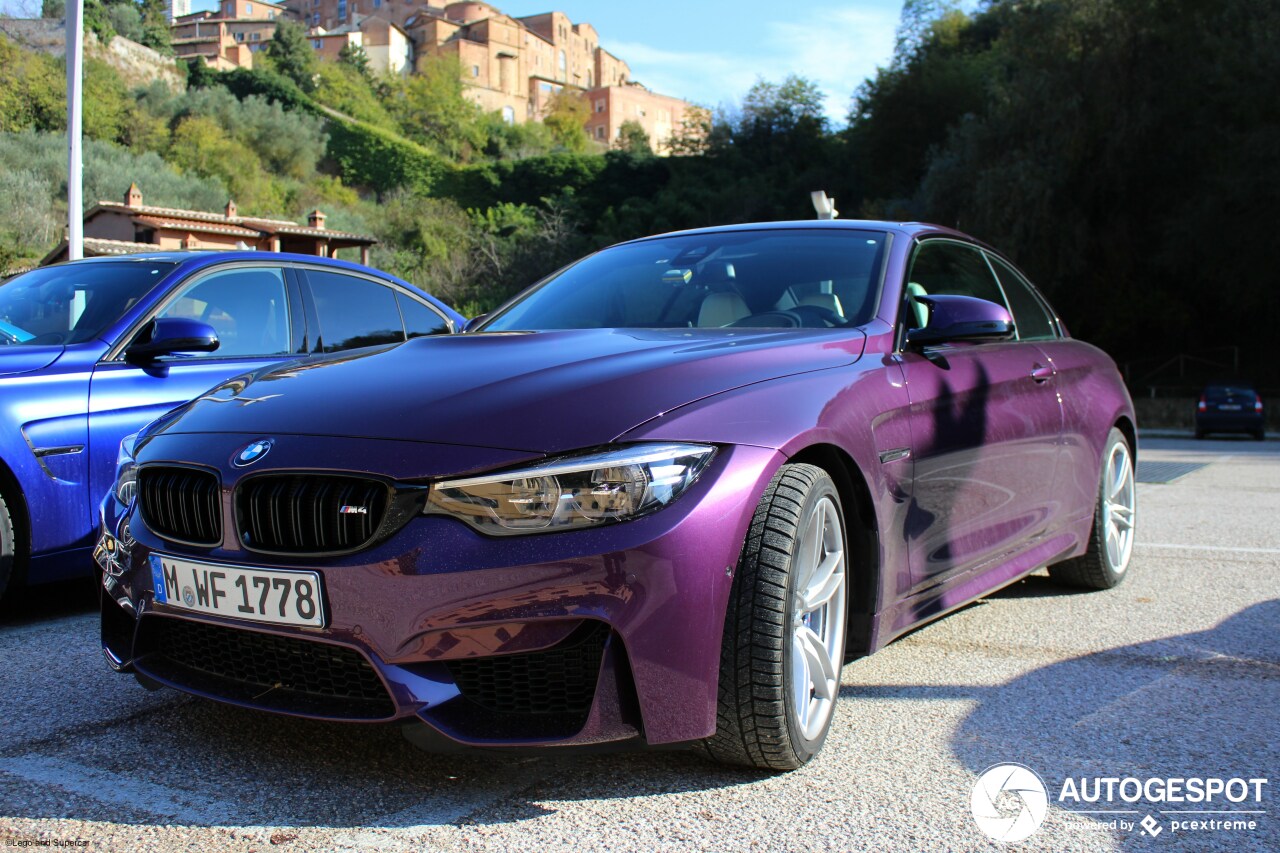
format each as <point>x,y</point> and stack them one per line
<point>784,630</point>
<point>1111,539</point>
<point>1260,435</point>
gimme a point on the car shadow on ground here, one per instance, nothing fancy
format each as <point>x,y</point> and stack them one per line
<point>1037,586</point>
<point>1193,705</point>
<point>206,764</point>
<point>48,601</point>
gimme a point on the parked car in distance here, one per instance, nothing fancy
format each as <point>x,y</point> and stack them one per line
<point>677,485</point>
<point>1231,407</point>
<point>92,350</point>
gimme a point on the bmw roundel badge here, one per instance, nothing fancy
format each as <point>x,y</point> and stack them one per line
<point>255,451</point>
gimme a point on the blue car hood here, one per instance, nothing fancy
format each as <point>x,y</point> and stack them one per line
<point>17,358</point>
<point>541,392</point>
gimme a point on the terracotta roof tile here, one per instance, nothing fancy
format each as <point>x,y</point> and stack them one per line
<point>303,231</point>
<point>102,246</point>
<point>184,224</point>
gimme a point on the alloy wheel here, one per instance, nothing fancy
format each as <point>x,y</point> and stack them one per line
<point>818,617</point>
<point>1119,502</point>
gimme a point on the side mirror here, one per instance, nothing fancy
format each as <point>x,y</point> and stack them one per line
<point>167,335</point>
<point>470,325</point>
<point>961,318</point>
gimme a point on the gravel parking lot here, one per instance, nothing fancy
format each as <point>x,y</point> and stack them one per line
<point>1174,674</point>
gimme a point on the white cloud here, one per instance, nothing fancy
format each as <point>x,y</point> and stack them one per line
<point>836,47</point>
<point>704,78</point>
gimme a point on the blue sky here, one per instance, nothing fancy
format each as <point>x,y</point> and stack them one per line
<point>711,52</point>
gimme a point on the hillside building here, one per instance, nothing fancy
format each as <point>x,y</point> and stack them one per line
<point>229,37</point>
<point>175,9</point>
<point>129,227</point>
<point>386,45</point>
<point>512,66</point>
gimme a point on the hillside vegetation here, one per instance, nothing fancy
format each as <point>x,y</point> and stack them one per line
<point>1122,151</point>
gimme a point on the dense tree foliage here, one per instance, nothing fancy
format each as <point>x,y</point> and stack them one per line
<point>431,109</point>
<point>633,138</point>
<point>1121,151</point>
<point>142,21</point>
<point>290,53</point>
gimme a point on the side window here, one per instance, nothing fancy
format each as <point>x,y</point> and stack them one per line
<point>247,307</point>
<point>941,267</point>
<point>1029,316</point>
<point>419,320</point>
<point>354,312</point>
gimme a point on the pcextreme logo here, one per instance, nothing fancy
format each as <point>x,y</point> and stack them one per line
<point>1010,802</point>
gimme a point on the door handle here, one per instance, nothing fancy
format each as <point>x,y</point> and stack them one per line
<point>1041,374</point>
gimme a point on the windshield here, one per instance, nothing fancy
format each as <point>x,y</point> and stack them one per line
<point>72,303</point>
<point>792,278</point>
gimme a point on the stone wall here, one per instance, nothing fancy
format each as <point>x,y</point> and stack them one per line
<point>137,64</point>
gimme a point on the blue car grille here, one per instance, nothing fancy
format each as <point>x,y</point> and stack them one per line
<point>309,513</point>
<point>181,504</point>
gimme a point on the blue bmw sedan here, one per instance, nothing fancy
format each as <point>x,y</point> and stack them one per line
<point>90,351</point>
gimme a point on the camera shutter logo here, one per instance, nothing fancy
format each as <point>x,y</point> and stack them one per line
<point>1027,790</point>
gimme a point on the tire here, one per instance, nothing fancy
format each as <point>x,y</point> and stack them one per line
<point>773,713</point>
<point>1199,434</point>
<point>8,558</point>
<point>1260,435</point>
<point>1111,539</point>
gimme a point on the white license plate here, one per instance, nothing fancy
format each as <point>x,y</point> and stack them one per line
<point>1229,407</point>
<point>278,596</point>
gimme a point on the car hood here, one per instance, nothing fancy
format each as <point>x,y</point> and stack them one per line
<point>541,392</point>
<point>24,359</point>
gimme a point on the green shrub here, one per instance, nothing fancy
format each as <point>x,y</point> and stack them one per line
<point>382,161</point>
<point>32,90</point>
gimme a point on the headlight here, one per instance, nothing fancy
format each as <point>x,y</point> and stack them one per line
<point>126,471</point>
<point>573,491</point>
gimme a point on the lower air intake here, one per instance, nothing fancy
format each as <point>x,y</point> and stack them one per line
<point>288,674</point>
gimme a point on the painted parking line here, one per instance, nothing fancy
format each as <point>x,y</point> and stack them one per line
<point>114,789</point>
<point>1169,546</point>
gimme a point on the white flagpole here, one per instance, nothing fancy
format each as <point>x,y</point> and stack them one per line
<point>75,64</point>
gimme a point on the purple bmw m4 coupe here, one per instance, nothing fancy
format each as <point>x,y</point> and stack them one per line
<point>659,498</point>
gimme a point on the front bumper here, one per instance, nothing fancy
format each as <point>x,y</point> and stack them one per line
<point>580,637</point>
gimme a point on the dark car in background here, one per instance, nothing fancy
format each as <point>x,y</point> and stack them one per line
<point>1231,407</point>
<point>658,498</point>
<point>92,350</point>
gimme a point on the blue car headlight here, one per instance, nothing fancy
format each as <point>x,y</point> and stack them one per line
<point>571,492</point>
<point>126,471</point>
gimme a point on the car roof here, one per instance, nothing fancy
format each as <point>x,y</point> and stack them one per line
<point>193,258</point>
<point>908,229</point>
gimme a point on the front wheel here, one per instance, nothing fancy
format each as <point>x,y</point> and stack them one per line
<point>1111,539</point>
<point>784,630</point>
<point>8,559</point>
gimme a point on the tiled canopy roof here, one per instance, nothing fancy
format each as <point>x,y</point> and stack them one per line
<point>179,213</point>
<point>200,227</point>
<point>100,246</point>
<point>203,221</point>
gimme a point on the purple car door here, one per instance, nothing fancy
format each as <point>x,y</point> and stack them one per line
<point>1081,380</point>
<point>252,310</point>
<point>985,429</point>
